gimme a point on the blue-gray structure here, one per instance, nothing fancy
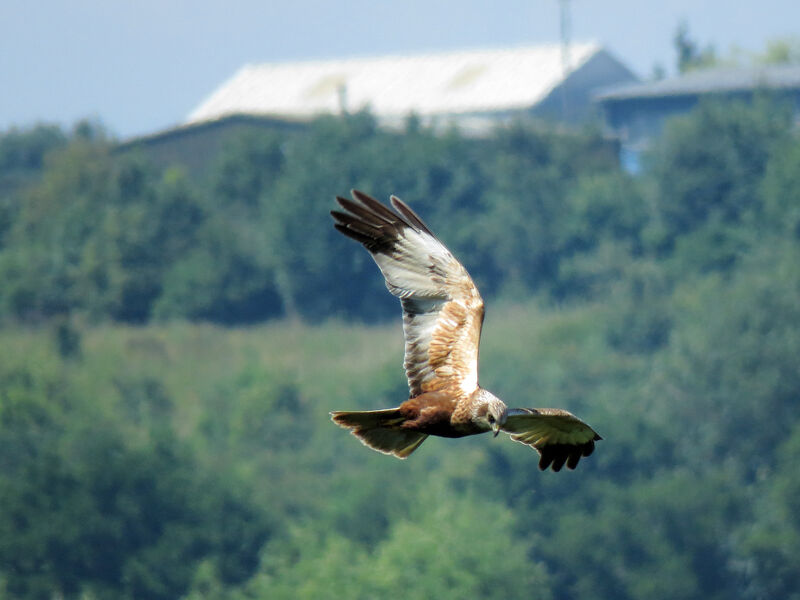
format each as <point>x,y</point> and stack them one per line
<point>635,113</point>
<point>195,147</point>
<point>475,90</point>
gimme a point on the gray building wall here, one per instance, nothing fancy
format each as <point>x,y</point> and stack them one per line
<point>572,101</point>
<point>635,122</point>
<point>196,147</point>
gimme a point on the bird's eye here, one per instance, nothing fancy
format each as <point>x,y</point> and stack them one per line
<point>491,419</point>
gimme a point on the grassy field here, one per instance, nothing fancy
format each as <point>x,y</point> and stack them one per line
<point>240,416</point>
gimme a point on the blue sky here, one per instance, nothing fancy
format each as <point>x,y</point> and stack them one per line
<point>140,66</point>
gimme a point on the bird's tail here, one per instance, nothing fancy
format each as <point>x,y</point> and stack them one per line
<point>380,430</point>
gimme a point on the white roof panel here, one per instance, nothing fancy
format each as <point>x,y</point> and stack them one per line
<point>394,86</point>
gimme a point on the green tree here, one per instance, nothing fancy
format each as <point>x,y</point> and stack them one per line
<point>731,367</point>
<point>458,547</point>
<point>450,546</point>
<point>690,55</point>
<point>95,236</point>
<point>522,233</point>
<point>706,170</point>
<point>662,537</point>
<point>780,191</point>
<point>85,508</point>
<point>781,51</point>
<point>768,545</point>
<point>22,157</point>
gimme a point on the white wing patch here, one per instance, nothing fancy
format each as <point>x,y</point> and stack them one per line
<point>418,330</point>
<point>418,266</point>
<point>470,382</point>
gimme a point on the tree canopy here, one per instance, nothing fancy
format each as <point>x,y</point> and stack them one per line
<point>170,349</point>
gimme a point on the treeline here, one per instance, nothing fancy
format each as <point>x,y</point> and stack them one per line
<point>188,460</point>
<point>86,230</point>
<point>93,232</point>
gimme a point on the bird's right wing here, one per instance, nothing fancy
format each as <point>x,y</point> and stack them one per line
<point>559,436</point>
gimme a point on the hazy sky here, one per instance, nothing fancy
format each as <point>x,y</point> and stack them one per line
<point>142,65</point>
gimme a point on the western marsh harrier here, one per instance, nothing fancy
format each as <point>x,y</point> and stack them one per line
<point>442,318</point>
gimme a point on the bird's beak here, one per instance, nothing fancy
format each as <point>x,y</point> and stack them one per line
<point>496,429</point>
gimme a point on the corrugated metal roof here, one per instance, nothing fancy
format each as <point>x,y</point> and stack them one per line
<point>460,82</point>
<point>706,81</point>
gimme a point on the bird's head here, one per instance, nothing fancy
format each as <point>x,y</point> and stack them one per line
<point>491,412</point>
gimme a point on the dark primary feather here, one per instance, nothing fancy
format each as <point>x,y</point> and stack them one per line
<point>558,454</point>
<point>358,210</point>
<point>370,223</point>
<point>379,209</point>
<point>409,214</point>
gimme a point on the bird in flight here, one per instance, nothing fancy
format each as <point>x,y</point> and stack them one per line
<point>442,319</point>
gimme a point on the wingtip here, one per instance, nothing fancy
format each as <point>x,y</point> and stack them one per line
<point>409,215</point>
<point>361,196</point>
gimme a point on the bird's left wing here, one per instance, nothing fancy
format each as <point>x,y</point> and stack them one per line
<point>442,309</point>
<point>559,436</point>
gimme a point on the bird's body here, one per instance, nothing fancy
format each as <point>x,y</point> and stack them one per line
<point>442,319</point>
<point>442,414</point>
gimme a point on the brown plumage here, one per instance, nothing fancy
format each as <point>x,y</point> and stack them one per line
<point>442,319</point>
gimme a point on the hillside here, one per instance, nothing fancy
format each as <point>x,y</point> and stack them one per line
<point>170,352</point>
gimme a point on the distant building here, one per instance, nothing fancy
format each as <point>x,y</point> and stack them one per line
<point>473,89</point>
<point>195,146</point>
<point>635,113</point>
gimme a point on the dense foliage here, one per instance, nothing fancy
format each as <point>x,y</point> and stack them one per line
<point>180,459</point>
<point>105,235</point>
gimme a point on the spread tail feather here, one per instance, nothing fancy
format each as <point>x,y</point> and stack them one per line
<point>380,430</point>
